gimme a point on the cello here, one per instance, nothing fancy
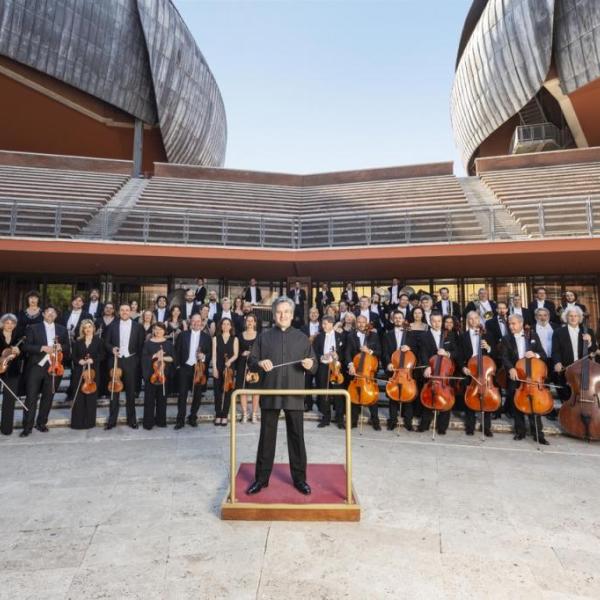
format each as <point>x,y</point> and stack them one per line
<point>579,416</point>
<point>401,387</point>
<point>481,394</point>
<point>363,388</point>
<point>438,394</point>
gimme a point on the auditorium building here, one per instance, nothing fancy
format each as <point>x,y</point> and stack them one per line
<point>111,168</point>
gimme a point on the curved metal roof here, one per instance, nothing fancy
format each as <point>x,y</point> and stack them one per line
<point>137,55</point>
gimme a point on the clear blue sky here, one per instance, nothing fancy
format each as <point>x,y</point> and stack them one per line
<point>326,85</point>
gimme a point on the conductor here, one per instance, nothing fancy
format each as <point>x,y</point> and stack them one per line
<point>281,345</point>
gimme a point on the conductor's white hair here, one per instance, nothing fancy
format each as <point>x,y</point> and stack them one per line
<point>575,309</point>
<point>284,300</point>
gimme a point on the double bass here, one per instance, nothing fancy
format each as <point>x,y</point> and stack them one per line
<point>579,416</point>
<point>401,386</point>
<point>482,395</point>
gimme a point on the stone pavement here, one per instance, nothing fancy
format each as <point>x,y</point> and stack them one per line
<point>134,514</point>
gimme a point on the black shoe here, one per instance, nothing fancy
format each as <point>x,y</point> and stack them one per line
<point>488,433</point>
<point>408,426</point>
<point>376,426</point>
<point>133,425</point>
<point>42,428</point>
<point>543,441</point>
<point>25,433</point>
<point>192,422</point>
<point>442,432</point>
<point>307,408</point>
<point>354,425</point>
<point>256,487</point>
<point>178,426</point>
<point>108,426</point>
<point>469,431</point>
<point>391,425</point>
<point>323,424</point>
<point>519,436</point>
<point>422,428</point>
<point>340,425</point>
<point>302,487</point>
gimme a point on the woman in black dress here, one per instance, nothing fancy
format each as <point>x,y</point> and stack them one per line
<point>31,314</point>
<point>11,377</point>
<point>237,313</point>
<point>88,349</point>
<point>246,340</point>
<point>158,347</point>
<point>224,344</point>
<point>175,325</point>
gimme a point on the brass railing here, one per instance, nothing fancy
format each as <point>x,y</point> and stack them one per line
<point>294,392</point>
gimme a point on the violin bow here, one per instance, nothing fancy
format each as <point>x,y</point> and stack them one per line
<point>4,386</point>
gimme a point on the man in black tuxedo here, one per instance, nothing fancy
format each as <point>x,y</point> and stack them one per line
<point>349,296</point>
<point>364,309</point>
<point>323,298</point>
<point>403,339</point>
<point>404,306</point>
<point>393,295</point>
<point>93,306</point>
<point>200,293</point>
<point>432,343</point>
<point>567,346</point>
<point>252,293</point>
<point>328,346</point>
<point>190,306</point>
<point>311,330</point>
<point>516,308</point>
<point>541,301</point>
<point>161,312</point>
<point>545,330</point>
<point>469,343</point>
<point>71,320</point>
<point>361,341</point>
<point>483,305</point>
<point>447,306</point>
<point>497,327</point>
<point>515,347</point>
<point>298,296</point>
<point>39,346</point>
<point>124,340</point>
<point>191,346</point>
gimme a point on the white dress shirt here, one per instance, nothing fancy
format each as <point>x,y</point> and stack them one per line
<point>574,335</point>
<point>520,339</point>
<point>545,334</point>
<point>394,298</point>
<point>296,296</point>
<point>366,313</point>
<point>226,314</point>
<point>253,294</point>
<point>50,336</point>
<point>475,341</point>
<point>540,303</point>
<point>484,306</point>
<point>73,320</point>
<point>503,328</point>
<point>313,328</point>
<point>160,312</point>
<point>445,307</point>
<point>93,308</point>
<point>427,316</point>
<point>212,310</point>
<point>189,307</point>
<point>194,341</point>
<point>124,335</point>
<point>437,336</point>
<point>361,337</point>
<point>399,333</point>
<point>328,345</point>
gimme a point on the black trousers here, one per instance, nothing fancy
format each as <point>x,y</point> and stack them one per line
<point>520,427</point>
<point>470,417</point>
<point>222,399</point>
<point>294,422</point>
<point>441,423</point>
<point>8,404</point>
<point>155,405</point>
<point>373,411</point>
<point>186,383</point>
<point>129,366</point>
<point>83,411</point>
<point>406,410</point>
<point>325,402</point>
<point>38,380</point>
<point>309,399</point>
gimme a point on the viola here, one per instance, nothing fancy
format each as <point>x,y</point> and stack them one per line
<point>115,385</point>
<point>200,373</point>
<point>56,367</point>
<point>8,355</point>
<point>335,370</point>
<point>532,397</point>
<point>438,394</point>
<point>401,387</point>
<point>579,416</point>
<point>228,379</point>
<point>89,379</point>
<point>252,377</point>
<point>481,394</point>
<point>158,371</point>
<point>363,388</point>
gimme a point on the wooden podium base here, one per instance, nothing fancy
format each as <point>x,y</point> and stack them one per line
<point>282,502</point>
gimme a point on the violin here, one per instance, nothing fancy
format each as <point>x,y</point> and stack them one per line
<point>335,370</point>
<point>363,388</point>
<point>481,394</point>
<point>438,394</point>
<point>401,386</point>
<point>8,355</point>
<point>56,367</point>
<point>228,380</point>
<point>579,416</point>
<point>158,371</point>
<point>532,397</point>
<point>115,385</point>
<point>89,376</point>
<point>252,377</point>
<point>199,373</point>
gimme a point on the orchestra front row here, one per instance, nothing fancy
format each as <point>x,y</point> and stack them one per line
<point>492,358</point>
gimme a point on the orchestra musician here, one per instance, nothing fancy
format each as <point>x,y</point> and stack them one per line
<point>362,340</point>
<point>298,295</point>
<point>31,314</point>
<point>311,329</point>
<point>252,293</point>
<point>377,308</point>
<point>191,346</point>
<point>349,296</point>
<point>434,342</point>
<point>238,314</point>
<point>417,320</point>
<point>569,300</point>
<point>135,310</point>
<point>403,339</point>
<point>343,310</point>
<point>541,301</point>
<point>247,337</point>
<point>224,311</point>
<point>213,306</point>
<point>324,298</point>
<point>394,295</point>
<point>102,324</point>
<point>483,305</point>
<point>283,353</point>
<point>364,309</point>
<point>200,293</point>
<point>88,349</point>
<point>93,306</point>
<point>516,308</point>
<point>124,340</point>
<point>43,340</point>
<point>10,379</point>
<point>404,306</point>
<point>160,349</point>
<point>161,313</point>
<point>225,350</point>
<point>514,348</point>
<point>497,326</point>
<point>545,330</point>
<point>190,306</point>
<point>175,322</point>
<point>72,320</point>
<point>427,306</point>
<point>469,343</point>
<point>328,346</point>
<point>445,305</point>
